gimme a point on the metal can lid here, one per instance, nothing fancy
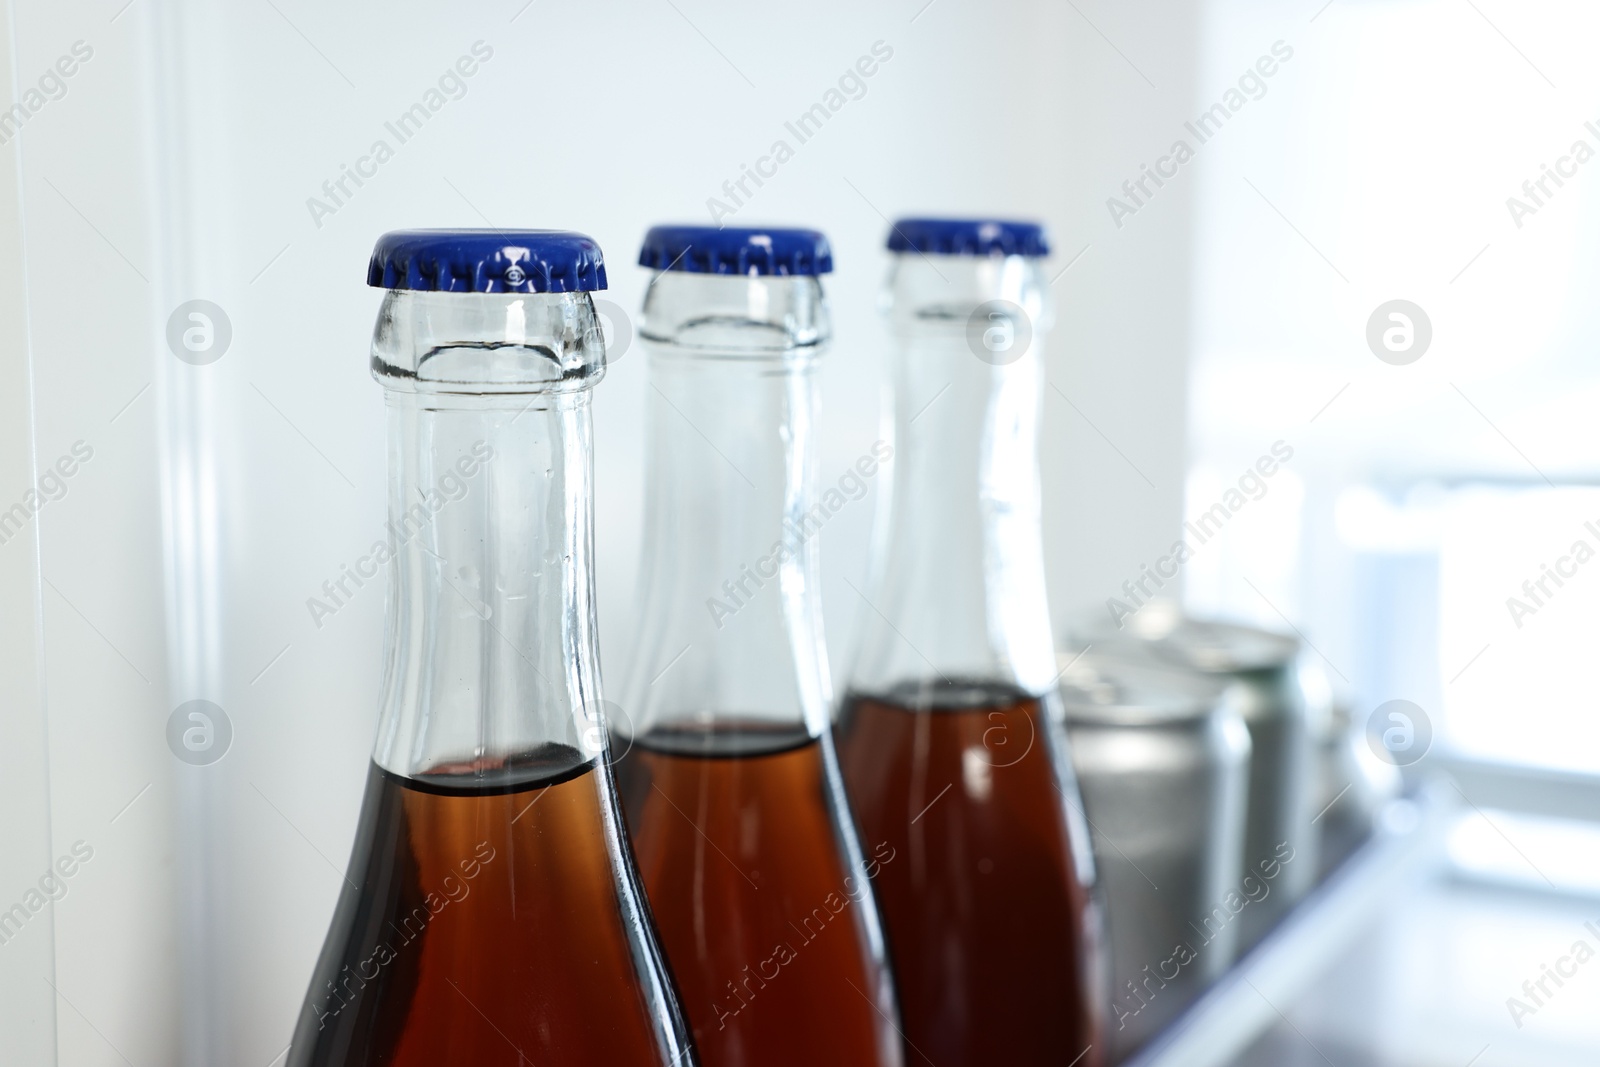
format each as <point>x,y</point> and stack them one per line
<point>1127,687</point>
<point>1205,645</point>
<point>1226,648</point>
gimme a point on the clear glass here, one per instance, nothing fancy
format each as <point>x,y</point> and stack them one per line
<point>492,912</point>
<point>730,620</point>
<point>951,734</point>
<point>963,500</point>
<point>759,886</point>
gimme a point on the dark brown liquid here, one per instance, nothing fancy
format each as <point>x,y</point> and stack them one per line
<point>488,924</point>
<point>988,921</point>
<point>764,924</point>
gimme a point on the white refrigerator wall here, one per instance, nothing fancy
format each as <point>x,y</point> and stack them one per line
<point>27,945</point>
<point>86,247</point>
<point>187,160</point>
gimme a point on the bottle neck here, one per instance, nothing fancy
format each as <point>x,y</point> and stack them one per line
<point>729,638</point>
<point>491,662</point>
<point>956,591</point>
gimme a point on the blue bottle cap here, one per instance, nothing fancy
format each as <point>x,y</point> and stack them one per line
<point>487,261</point>
<point>736,250</point>
<point>968,237</point>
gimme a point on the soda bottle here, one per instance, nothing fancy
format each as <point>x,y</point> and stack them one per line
<point>951,733</point>
<point>760,890</point>
<point>491,913</point>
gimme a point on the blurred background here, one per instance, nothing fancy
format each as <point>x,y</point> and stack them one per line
<point>165,516</point>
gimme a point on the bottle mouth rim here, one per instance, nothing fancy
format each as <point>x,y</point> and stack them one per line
<point>756,317</point>
<point>676,348</point>
<point>487,343</point>
<point>405,381</point>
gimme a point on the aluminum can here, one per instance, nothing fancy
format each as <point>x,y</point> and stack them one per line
<point>1162,763</point>
<point>1269,684</point>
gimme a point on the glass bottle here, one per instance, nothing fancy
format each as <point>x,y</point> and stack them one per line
<point>760,890</point>
<point>492,913</point>
<point>951,733</point>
